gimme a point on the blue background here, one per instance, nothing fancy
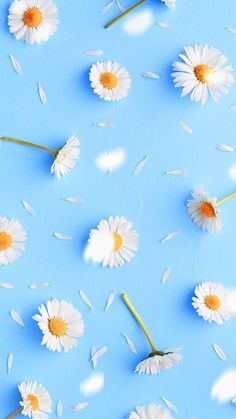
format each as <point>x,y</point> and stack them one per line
<point>146,124</point>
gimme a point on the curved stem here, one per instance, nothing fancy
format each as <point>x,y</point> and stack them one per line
<point>17,412</point>
<point>222,201</point>
<point>108,25</point>
<point>139,320</point>
<point>15,140</point>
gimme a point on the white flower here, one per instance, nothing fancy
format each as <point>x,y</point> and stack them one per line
<point>109,80</point>
<point>113,242</point>
<point>204,211</point>
<point>12,240</point>
<point>155,363</point>
<point>36,401</point>
<point>211,302</point>
<point>201,72</point>
<point>61,325</point>
<point>150,411</point>
<point>33,21</point>
<point>171,4</point>
<point>66,158</point>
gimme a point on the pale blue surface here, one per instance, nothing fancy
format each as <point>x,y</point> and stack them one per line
<point>146,124</point>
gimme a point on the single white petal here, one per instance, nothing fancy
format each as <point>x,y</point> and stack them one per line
<point>93,52</point>
<point>219,351</point>
<point>85,299</point>
<point>107,7</point>
<point>74,200</point>
<point>15,64</point>
<point>130,344</point>
<point>6,285</point>
<point>40,285</point>
<point>42,94</point>
<point>110,299</point>
<point>185,127</point>
<point>104,124</point>
<point>170,405</point>
<point>62,236</point>
<point>232,30</point>
<point>96,354</point>
<point>176,172</point>
<point>79,406</point>
<point>165,275</point>
<point>140,166</point>
<point>28,207</point>
<point>9,362</point>
<point>164,25</point>
<point>150,75</point>
<point>171,236</point>
<point>224,147</point>
<point>17,318</point>
<point>59,409</point>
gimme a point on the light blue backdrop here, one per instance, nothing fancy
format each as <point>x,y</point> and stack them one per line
<point>146,124</point>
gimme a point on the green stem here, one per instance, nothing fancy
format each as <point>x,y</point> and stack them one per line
<point>17,412</point>
<point>15,140</point>
<point>222,201</point>
<point>108,25</point>
<point>139,320</point>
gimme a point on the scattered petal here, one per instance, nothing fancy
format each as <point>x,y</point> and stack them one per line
<point>73,200</point>
<point>165,275</point>
<point>232,30</point>
<point>9,363</point>
<point>42,94</point>
<point>92,385</point>
<point>150,75</point>
<point>17,318</point>
<point>95,354</point>
<point>170,405</point>
<point>104,124</point>
<point>224,147</point>
<point>93,360</point>
<point>164,25</point>
<point>94,52</point>
<point>15,64</point>
<point>7,285</point>
<point>79,406</point>
<point>110,299</point>
<point>28,208</point>
<point>59,409</point>
<point>140,166</point>
<point>85,299</point>
<point>219,352</point>
<point>171,236</point>
<point>130,344</point>
<point>176,172</point>
<point>111,160</point>
<point>120,7</point>
<point>232,107</point>
<point>185,127</point>
<point>62,236</point>
<point>40,285</point>
<point>107,7</point>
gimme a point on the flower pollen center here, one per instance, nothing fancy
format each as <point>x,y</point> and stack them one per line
<point>57,326</point>
<point>202,72</point>
<point>34,401</point>
<point>207,209</point>
<point>118,241</point>
<point>212,302</point>
<point>32,17</point>
<point>5,240</point>
<point>108,80</point>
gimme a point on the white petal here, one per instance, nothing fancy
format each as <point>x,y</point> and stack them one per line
<point>185,127</point>
<point>171,236</point>
<point>170,405</point>
<point>140,165</point>
<point>150,75</point>
<point>9,362</point>
<point>232,30</point>
<point>130,344</point>
<point>59,410</point>
<point>104,124</point>
<point>40,285</point>
<point>6,285</point>
<point>42,94</point>
<point>107,7</point>
<point>176,172</point>
<point>17,318</point>
<point>93,52</point>
<point>62,236</point>
<point>85,299</point>
<point>224,147</point>
<point>79,406</point>
<point>165,275</point>
<point>28,208</point>
<point>110,299</point>
<point>97,354</point>
<point>164,25</point>
<point>15,64</point>
<point>219,351</point>
<point>74,200</point>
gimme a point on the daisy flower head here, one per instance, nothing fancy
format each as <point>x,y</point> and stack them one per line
<point>204,211</point>
<point>61,325</point>
<point>113,242</point>
<point>66,157</point>
<point>33,21</point>
<point>12,240</point>
<point>36,402</point>
<point>150,411</point>
<point>157,361</point>
<point>202,71</point>
<point>210,302</point>
<point>109,80</point>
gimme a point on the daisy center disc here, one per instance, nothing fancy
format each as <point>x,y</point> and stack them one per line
<point>108,80</point>
<point>5,240</point>
<point>202,72</point>
<point>33,401</point>
<point>212,302</point>
<point>207,209</point>
<point>57,326</point>
<point>32,17</point>
<point>118,241</point>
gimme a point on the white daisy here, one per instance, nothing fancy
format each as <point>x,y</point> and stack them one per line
<point>204,211</point>
<point>157,361</point>
<point>150,411</point>
<point>66,157</point>
<point>12,240</point>
<point>109,80</point>
<point>36,401</point>
<point>202,71</point>
<point>61,325</point>
<point>171,4</point>
<point>33,21</point>
<point>211,302</point>
<point>113,242</point>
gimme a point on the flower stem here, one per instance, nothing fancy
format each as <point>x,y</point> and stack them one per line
<point>222,201</point>
<point>15,140</point>
<point>17,412</point>
<point>140,322</point>
<point>108,25</point>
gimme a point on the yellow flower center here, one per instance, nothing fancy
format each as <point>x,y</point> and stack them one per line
<point>207,210</point>
<point>118,241</point>
<point>34,401</point>
<point>5,240</point>
<point>57,326</point>
<point>108,80</point>
<point>212,302</point>
<point>32,17</point>
<point>202,72</point>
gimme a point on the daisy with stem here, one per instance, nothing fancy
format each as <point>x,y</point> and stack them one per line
<point>156,359</point>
